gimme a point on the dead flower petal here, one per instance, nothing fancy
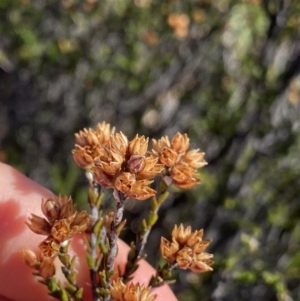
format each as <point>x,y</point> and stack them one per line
<point>194,159</point>
<point>180,143</point>
<point>39,225</point>
<point>168,250</point>
<point>180,234</point>
<point>138,146</point>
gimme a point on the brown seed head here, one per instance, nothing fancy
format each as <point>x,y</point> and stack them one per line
<point>184,258</point>
<point>49,247</point>
<point>202,263</point>
<point>109,168</point>
<point>194,159</point>
<point>51,209</point>
<point>181,235</point>
<point>168,157</point>
<point>130,292</point>
<point>184,176</point>
<point>58,207</point>
<point>116,156</point>
<point>159,145</point>
<point>104,132</point>
<point>103,178</point>
<point>187,249</point>
<point>47,268</point>
<point>87,137</point>
<point>119,142</point>
<point>140,190</point>
<point>61,230</point>
<point>180,143</point>
<point>30,258</point>
<point>82,156</point>
<point>90,144</point>
<point>80,223</point>
<point>168,250</point>
<point>124,182</point>
<point>151,168</point>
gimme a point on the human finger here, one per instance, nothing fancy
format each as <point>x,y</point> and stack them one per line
<point>19,197</point>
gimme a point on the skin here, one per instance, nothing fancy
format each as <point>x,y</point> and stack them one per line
<point>19,197</point>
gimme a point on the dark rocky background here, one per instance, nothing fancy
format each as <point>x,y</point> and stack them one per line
<point>224,71</point>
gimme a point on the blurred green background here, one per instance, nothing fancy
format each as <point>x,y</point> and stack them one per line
<point>227,72</point>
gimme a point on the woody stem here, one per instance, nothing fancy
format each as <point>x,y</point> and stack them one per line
<point>143,240</point>
<point>93,241</point>
<point>113,236</point>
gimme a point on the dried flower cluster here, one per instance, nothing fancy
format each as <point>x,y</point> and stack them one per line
<point>130,292</point>
<point>44,265</point>
<point>63,221</point>
<point>126,166</point>
<point>116,162</point>
<point>187,250</point>
<point>181,164</point>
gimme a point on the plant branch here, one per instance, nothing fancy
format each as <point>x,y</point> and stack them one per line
<point>94,237</point>
<point>141,240</point>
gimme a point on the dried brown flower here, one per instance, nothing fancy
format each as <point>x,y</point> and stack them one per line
<point>194,159</point>
<point>30,258</point>
<point>39,225</point>
<point>169,249</point>
<point>138,146</point>
<point>47,268</point>
<point>140,190</point>
<point>124,182</point>
<point>202,263</point>
<point>187,250</point>
<point>118,163</point>
<point>44,265</point>
<point>58,207</point>
<point>61,230</point>
<point>130,292</point>
<point>90,144</point>
<point>151,168</point>
<point>181,165</point>
<point>184,176</point>
<point>63,222</point>
<point>49,247</point>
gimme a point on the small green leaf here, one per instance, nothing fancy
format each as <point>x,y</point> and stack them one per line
<point>52,284</point>
<point>64,295</point>
<point>71,288</point>
<point>79,293</point>
<point>152,219</point>
<point>90,261</point>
